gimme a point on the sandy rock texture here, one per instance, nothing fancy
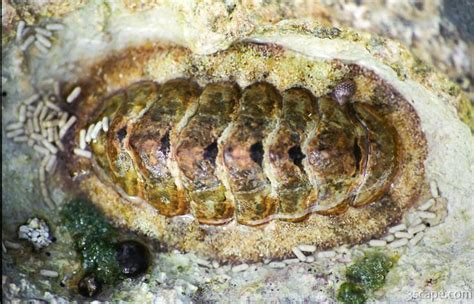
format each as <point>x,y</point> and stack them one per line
<point>442,261</point>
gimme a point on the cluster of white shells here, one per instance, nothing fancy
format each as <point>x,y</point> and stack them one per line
<point>36,231</point>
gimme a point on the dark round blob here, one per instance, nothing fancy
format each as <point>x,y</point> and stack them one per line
<point>344,91</point>
<point>256,153</point>
<point>121,133</point>
<point>133,258</point>
<point>211,151</point>
<point>296,156</point>
<point>165,144</point>
<point>89,286</point>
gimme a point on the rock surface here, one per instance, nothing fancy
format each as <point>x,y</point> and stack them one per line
<point>442,261</point>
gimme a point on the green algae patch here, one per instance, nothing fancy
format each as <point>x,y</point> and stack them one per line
<point>370,270</point>
<point>351,293</point>
<point>367,274</point>
<point>94,239</point>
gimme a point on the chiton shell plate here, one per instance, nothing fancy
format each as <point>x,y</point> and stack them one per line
<point>122,177</point>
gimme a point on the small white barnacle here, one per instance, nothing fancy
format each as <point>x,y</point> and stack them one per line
<point>36,231</point>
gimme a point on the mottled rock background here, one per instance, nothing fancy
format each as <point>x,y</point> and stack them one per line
<point>439,32</point>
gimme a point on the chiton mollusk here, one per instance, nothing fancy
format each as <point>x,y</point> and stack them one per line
<point>254,154</point>
<point>256,136</point>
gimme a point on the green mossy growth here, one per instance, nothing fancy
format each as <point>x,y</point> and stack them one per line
<point>99,258</point>
<point>365,275</point>
<point>83,220</point>
<point>94,238</point>
<point>370,270</point>
<point>351,293</point>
